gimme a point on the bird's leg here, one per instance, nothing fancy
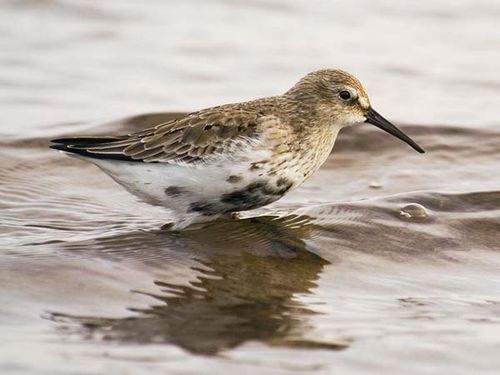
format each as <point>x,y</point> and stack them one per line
<point>167,226</point>
<point>231,216</point>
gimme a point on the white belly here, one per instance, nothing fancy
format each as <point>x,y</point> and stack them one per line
<point>158,183</point>
<point>196,191</point>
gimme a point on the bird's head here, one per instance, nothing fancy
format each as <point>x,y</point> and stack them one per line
<point>340,99</point>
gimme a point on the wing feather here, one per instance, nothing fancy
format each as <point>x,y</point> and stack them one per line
<point>190,139</point>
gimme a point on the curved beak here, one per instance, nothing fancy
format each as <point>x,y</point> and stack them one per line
<point>374,118</point>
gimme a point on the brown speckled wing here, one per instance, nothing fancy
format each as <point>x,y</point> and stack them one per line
<point>190,139</point>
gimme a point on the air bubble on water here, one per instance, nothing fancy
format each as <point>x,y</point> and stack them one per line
<point>375,185</point>
<point>413,211</point>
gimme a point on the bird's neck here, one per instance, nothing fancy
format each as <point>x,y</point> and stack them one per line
<point>314,145</point>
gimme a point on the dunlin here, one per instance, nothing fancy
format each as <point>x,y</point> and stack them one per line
<point>234,157</point>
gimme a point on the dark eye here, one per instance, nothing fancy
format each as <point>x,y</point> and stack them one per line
<point>345,95</point>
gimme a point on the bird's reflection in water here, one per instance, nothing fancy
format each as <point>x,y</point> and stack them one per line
<point>249,274</point>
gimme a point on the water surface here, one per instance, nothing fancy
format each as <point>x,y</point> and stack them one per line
<point>385,261</point>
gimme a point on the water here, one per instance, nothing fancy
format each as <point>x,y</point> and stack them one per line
<point>385,261</point>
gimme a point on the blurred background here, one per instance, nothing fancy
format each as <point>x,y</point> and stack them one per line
<point>71,60</point>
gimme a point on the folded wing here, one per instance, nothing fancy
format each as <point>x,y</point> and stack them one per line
<point>190,139</point>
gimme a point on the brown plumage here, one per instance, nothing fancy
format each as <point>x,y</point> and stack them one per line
<point>259,144</point>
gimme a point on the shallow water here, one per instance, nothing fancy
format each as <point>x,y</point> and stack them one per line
<point>385,261</point>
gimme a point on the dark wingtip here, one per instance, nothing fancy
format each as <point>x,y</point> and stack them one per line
<point>78,146</point>
<point>78,141</point>
<point>58,146</point>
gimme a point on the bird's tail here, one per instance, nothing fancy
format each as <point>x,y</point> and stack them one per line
<point>92,147</point>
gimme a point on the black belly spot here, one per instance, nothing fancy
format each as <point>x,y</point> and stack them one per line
<point>234,179</point>
<point>175,191</point>
<point>284,183</point>
<point>256,194</point>
<point>205,208</point>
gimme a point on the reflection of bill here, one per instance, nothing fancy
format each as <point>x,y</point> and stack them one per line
<point>249,271</point>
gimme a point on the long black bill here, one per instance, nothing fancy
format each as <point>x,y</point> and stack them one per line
<point>374,118</point>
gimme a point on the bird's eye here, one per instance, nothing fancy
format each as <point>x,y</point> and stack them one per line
<point>345,95</point>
